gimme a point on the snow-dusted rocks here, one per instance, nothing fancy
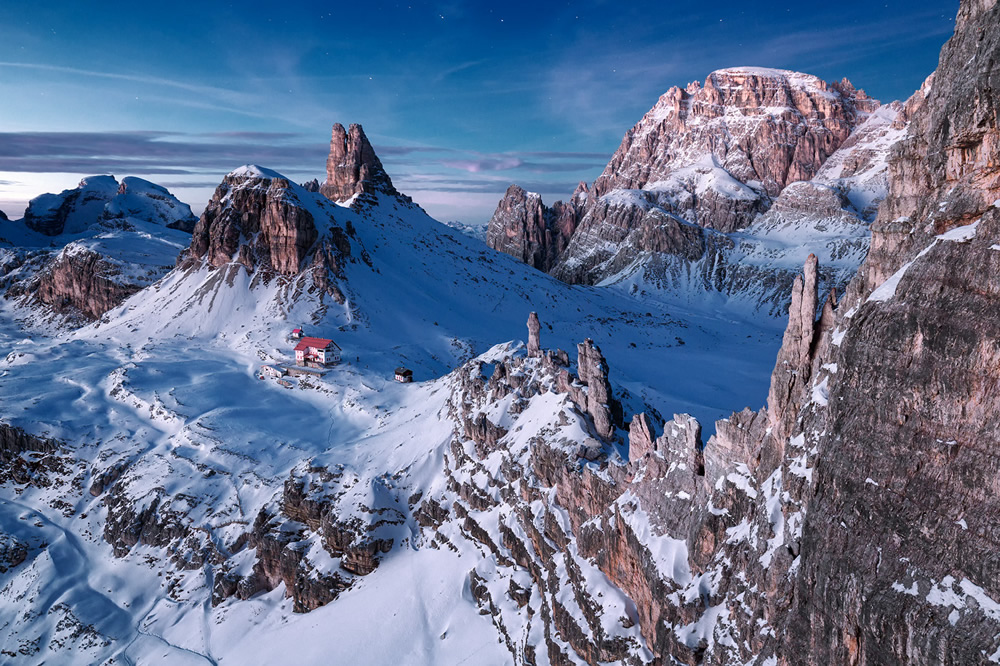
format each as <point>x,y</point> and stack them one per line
<point>775,163</point>
<point>768,127</point>
<point>104,199</point>
<point>82,252</point>
<point>259,218</point>
<point>140,199</point>
<point>71,211</point>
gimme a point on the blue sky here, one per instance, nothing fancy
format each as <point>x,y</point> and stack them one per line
<point>460,99</point>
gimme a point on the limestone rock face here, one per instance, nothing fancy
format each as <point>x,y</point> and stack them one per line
<point>640,437</point>
<point>525,228</point>
<point>353,167</point>
<point>82,282</point>
<point>771,154</point>
<point>792,369</point>
<point>534,328</point>
<point>593,371</point>
<point>769,126</point>
<point>105,241</point>
<point>257,214</point>
<point>910,412</point>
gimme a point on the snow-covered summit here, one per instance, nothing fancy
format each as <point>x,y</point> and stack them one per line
<point>79,253</point>
<point>254,171</point>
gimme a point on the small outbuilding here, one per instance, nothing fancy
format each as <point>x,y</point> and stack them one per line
<point>272,371</point>
<point>297,334</point>
<point>316,352</point>
<point>404,375</point>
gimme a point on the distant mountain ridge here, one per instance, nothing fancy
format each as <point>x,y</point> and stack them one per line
<point>717,157</point>
<point>81,252</point>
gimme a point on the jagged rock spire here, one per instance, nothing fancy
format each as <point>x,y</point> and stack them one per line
<point>534,328</point>
<point>792,369</point>
<point>353,167</point>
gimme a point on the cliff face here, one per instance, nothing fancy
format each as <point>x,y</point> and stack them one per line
<point>257,213</point>
<point>851,521</point>
<point>82,282</point>
<point>266,224</point>
<point>352,166</point>
<point>899,545</point>
<point>523,227</point>
<point>769,126</point>
<point>111,239</point>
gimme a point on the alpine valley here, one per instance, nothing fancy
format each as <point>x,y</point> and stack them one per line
<point>736,402</point>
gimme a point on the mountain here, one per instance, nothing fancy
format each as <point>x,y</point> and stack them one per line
<point>242,492</point>
<point>681,205</point>
<point>563,501</point>
<point>470,230</point>
<point>82,252</point>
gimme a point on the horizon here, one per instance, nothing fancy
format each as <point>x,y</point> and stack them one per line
<point>459,102</point>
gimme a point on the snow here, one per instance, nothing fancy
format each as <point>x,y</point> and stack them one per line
<point>821,392</point>
<point>702,176</point>
<point>254,171</point>
<point>960,234</point>
<point>670,555</point>
<point>887,290</point>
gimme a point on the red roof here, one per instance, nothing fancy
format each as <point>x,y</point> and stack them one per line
<point>318,343</point>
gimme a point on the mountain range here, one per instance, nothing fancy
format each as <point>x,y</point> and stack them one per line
<point>752,421</point>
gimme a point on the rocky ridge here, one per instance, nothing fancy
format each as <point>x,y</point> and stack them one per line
<point>81,253</point>
<point>523,227</point>
<point>681,205</point>
<point>848,521</point>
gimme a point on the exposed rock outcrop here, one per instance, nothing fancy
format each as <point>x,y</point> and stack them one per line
<point>260,220</point>
<point>898,558</point>
<point>525,228</point>
<point>593,372</point>
<point>353,167</point>
<point>640,437</point>
<point>718,156</point>
<point>769,126</point>
<point>113,240</point>
<point>82,283</point>
<point>534,328</point>
<point>256,212</point>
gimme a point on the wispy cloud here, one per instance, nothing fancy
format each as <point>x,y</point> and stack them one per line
<point>198,89</point>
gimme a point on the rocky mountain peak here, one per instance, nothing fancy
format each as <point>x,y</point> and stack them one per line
<point>70,211</point>
<point>524,227</point>
<point>769,126</point>
<point>261,220</point>
<point>353,167</point>
<point>260,215</point>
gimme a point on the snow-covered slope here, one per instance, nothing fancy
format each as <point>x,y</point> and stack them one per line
<point>204,479</point>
